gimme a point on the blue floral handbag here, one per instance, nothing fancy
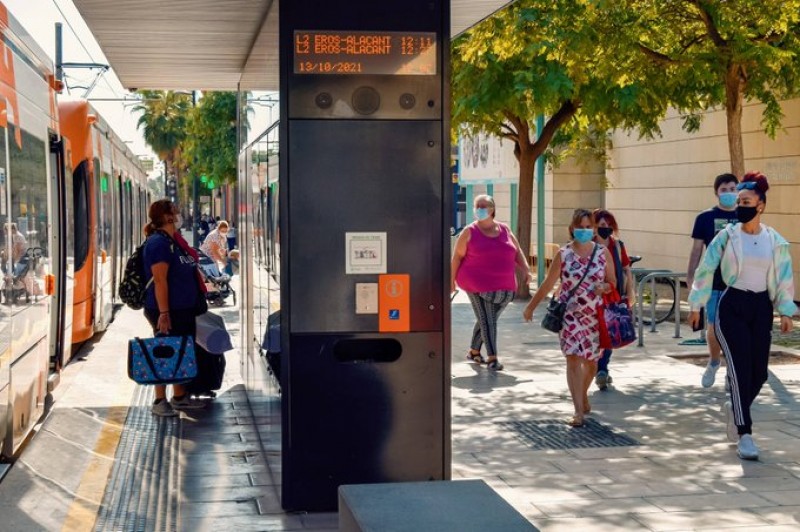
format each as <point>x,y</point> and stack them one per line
<point>162,360</point>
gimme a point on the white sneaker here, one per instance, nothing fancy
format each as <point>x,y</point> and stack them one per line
<point>710,374</point>
<point>747,448</point>
<point>730,424</point>
<point>163,409</point>
<point>187,403</point>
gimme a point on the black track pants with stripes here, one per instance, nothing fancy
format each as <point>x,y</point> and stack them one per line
<point>744,330</point>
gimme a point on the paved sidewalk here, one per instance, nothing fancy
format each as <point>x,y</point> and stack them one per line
<point>684,475</point>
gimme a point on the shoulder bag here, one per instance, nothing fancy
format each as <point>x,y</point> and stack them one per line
<point>553,319</point>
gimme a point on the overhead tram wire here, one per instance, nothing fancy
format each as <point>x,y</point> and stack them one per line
<point>85,49</point>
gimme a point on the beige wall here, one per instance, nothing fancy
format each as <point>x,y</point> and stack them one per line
<point>574,185</point>
<point>656,188</point>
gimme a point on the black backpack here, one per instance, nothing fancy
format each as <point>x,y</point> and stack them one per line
<point>132,288</point>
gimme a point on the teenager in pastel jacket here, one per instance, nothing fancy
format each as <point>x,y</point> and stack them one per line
<point>757,269</point>
<point>780,280</point>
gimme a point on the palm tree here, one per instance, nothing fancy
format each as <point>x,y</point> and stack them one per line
<point>165,119</point>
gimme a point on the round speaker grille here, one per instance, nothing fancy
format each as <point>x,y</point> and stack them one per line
<point>407,101</point>
<point>366,100</point>
<point>323,100</point>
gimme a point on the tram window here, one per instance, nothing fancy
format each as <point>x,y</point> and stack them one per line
<point>139,207</point>
<point>99,207</point>
<point>27,222</point>
<point>69,190</point>
<point>80,188</point>
<point>105,213</point>
<point>131,229</point>
<point>123,217</point>
<point>134,215</point>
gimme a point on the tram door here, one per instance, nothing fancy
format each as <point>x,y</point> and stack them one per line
<point>365,321</point>
<point>63,254</point>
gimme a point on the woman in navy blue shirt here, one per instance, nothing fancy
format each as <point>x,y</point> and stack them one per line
<point>171,299</point>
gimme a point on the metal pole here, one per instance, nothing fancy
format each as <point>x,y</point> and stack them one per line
<point>653,301</point>
<point>677,308</point>
<point>195,211</point>
<point>540,266</point>
<point>165,178</point>
<point>640,303</point>
<point>195,195</point>
<point>59,53</point>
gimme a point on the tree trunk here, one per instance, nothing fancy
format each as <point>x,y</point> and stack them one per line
<point>734,101</point>
<point>527,154</point>
<point>527,165</point>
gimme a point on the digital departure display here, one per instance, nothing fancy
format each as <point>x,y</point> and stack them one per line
<point>365,52</point>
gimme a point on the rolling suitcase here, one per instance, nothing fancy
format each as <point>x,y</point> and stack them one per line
<point>210,372</point>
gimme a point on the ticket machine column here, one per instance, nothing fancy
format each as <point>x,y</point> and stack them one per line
<point>365,203</point>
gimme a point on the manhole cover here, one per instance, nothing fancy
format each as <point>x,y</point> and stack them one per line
<point>556,434</point>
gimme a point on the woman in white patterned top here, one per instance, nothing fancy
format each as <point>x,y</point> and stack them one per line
<point>216,243</point>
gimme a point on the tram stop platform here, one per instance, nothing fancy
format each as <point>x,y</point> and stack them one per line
<point>653,456</point>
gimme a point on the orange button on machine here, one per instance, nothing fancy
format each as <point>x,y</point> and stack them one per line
<point>394,302</point>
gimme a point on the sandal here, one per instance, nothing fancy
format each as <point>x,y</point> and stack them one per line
<point>476,358</point>
<point>576,421</point>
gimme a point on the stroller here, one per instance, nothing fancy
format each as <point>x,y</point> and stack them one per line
<point>218,283</point>
<point>21,283</point>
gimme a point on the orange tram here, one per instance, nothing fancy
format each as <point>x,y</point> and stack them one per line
<point>73,200</point>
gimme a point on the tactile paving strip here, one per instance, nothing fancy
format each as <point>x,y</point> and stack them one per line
<point>142,494</point>
<point>543,434</point>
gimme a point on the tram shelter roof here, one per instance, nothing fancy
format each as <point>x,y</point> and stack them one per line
<point>208,44</point>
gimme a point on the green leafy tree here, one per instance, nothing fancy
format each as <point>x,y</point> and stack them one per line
<point>557,58</point>
<point>212,144</point>
<point>721,54</point>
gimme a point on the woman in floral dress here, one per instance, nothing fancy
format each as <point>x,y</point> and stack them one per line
<point>586,271</point>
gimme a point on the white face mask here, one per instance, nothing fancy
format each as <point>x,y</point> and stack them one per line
<point>178,221</point>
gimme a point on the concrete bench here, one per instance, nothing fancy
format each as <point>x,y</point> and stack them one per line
<point>438,506</point>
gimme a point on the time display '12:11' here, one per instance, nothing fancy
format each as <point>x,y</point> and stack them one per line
<point>364,52</point>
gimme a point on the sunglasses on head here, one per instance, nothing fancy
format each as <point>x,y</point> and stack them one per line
<point>746,185</point>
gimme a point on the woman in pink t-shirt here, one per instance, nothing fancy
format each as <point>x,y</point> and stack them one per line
<point>484,265</point>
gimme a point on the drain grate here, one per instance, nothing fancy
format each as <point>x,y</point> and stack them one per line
<point>556,434</point>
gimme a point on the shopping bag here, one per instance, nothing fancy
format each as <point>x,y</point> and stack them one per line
<point>162,360</point>
<point>616,322</point>
<point>212,334</point>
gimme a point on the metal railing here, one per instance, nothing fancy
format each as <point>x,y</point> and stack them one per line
<point>651,277</point>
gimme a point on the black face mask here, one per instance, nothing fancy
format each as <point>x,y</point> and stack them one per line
<point>604,232</point>
<point>745,214</point>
